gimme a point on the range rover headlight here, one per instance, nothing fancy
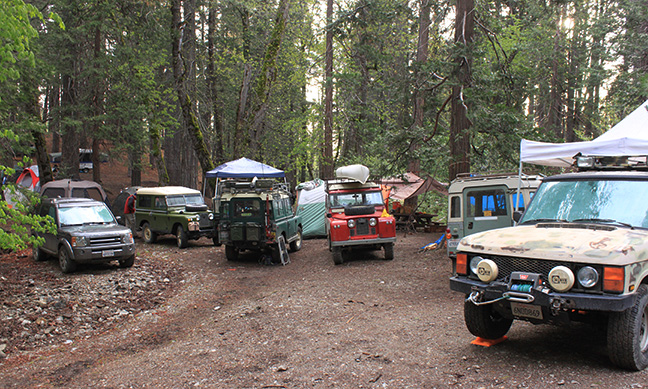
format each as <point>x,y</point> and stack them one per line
<point>79,241</point>
<point>373,222</point>
<point>351,223</point>
<point>561,278</point>
<point>587,276</point>
<point>474,262</point>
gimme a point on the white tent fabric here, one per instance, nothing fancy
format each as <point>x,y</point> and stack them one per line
<point>628,137</point>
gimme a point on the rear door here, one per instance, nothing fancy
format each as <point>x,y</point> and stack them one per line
<point>486,208</point>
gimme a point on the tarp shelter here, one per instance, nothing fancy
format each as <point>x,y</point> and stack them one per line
<point>412,185</point>
<point>245,168</point>
<point>628,137</point>
<point>311,206</point>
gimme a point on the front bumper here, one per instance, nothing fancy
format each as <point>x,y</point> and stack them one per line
<point>99,254</point>
<point>546,297</point>
<point>363,242</point>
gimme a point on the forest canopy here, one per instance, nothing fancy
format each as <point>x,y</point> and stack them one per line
<point>436,88</point>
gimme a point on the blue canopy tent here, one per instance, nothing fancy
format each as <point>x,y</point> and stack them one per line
<point>245,168</point>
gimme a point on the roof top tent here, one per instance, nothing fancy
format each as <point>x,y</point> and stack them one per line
<point>629,137</point>
<point>242,169</point>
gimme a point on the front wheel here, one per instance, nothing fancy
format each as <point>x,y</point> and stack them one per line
<point>148,234</point>
<point>231,253</point>
<point>337,256</point>
<point>127,262</point>
<point>484,321</point>
<point>65,262</point>
<point>389,251</point>
<point>181,237</point>
<point>296,244</point>
<point>627,338</point>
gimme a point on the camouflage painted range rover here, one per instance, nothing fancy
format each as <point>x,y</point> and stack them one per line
<point>579,253</point>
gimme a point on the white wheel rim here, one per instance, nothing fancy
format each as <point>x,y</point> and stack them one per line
<point>643,331</point>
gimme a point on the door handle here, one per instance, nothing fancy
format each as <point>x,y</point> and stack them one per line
<point>470,225</point>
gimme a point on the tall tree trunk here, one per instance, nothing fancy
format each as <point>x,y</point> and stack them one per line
<point>459,123</point>
<point>182,72</point>
<point>414,164</point>
<point>213,88</point>
<point>70,150</point>
<point>266,78</point>
<point>97,107</point>
<point>239,138</point>
<point>556,104</point>
<point>326,166</point>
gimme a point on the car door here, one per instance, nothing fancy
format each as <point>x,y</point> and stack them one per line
<point>486,208</point>
<point>51,240</point>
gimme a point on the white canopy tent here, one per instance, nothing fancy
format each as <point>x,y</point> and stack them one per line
<point>628,137</point>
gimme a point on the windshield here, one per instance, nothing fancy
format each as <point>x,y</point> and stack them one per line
<point>363,198</point>
<point>176,201</point>
<point>75,216</point>
<point>591,200</point>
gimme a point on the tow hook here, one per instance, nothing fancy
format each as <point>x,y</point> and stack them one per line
<point>556,305</point>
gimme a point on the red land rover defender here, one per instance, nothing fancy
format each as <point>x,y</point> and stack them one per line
<point>357,218</point>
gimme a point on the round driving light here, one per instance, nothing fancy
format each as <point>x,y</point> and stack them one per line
<point>588,276</point>
<point>211,216</point>
<point>351,223</point>
<point>373,222</point>
<point>474,262</point>
<point>561,278</point>
<point>487,270</point>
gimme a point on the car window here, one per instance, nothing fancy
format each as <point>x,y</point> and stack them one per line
<point>70,216</point>
<point>247,208</point>
<point>490,202</point>
<point>53,193</point>
<point>455,206</point>
<point>144,202</point>
<point>94,194</point>
<point>159,202</point>
<point>364,198</point>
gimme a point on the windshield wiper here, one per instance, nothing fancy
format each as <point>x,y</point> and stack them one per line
<point>605,221</point>
<point>545,220</point>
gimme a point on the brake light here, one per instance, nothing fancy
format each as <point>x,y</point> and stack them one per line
<point>613,279</point>
<point>462,264</point>
<point>448,234</point>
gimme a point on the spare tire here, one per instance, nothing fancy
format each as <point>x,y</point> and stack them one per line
<point>196,207</point>
<point>352,210</point>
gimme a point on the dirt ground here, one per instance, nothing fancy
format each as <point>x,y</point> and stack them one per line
<point>190,318</point>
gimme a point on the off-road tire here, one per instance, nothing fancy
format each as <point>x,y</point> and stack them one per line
<point>337,255</point>
<point>127,262</point>
<point>147,234</point>
<point>389,251</point>
<point>296,244</point>
<point>231,253</point>
<point>38,254</point>
<point>627,338</point>
<point>353,210</point>
<point>484,321</point>
<point>65,262</point>
<point>181,237</point>
<point>216,241</point>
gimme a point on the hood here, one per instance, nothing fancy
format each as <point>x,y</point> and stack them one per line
<point>100,229</point>
<point>568,242</point>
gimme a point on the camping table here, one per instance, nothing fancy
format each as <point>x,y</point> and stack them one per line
<point>413,220</point>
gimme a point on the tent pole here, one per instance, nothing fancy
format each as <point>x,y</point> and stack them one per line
<point>517,198</point>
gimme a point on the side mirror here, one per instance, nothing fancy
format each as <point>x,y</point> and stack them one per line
<point>517,215</point>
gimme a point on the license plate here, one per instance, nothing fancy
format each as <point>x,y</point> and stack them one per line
<point>108,253</point>
<point>526,310</point>
<point>453,242</point>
